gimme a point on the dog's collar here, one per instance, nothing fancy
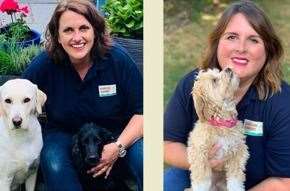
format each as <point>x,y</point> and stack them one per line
<point>218,122</point>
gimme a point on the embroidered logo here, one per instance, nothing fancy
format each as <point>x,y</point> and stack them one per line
<point>253,128</point>
<point>107,90</point>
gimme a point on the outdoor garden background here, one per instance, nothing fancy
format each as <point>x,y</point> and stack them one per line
<point>187,24</point>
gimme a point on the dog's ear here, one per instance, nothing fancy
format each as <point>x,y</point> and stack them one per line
<point>199,104</point>
<point>40,100</point>
<point>76,153</point>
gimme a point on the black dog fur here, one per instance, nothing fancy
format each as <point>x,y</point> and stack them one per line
<point>88,144</point>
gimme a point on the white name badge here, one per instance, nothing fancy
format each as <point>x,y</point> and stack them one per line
<point>253,128</point>
<point>107,90</point>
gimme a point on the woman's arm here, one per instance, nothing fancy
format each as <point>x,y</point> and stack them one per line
<point>132,132</point>
<point>273,184</point>
<point>175,154</point>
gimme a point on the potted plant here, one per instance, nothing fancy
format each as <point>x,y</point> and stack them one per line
<point>18,30</point>
<point>14,58</point>
<point>125,21</point>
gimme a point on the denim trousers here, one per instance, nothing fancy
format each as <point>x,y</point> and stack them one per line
<point>176,179</point>
<point>57,167</point>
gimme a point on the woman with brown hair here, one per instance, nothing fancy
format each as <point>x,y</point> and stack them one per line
<point>245,41</point>
<point>87,78</point>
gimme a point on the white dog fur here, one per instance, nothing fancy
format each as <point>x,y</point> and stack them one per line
<point>213,95</point>
<point>20,133</point>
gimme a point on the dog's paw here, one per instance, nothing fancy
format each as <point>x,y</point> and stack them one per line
<point>234,184</point>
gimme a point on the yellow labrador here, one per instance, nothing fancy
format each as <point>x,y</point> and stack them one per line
<point>20,133</point>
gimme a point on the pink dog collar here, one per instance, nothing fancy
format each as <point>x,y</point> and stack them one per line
<point>217,122</point>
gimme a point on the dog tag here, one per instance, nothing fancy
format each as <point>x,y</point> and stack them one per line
<point>253,128</point>
<point>107,90</point>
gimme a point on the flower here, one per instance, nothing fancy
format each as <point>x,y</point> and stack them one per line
<point>9,6</point>
<point>12,7</point>
<point>18,29</point>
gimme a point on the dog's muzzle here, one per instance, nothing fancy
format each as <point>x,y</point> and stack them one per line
<point>92,160</point>
<point>17,121</point>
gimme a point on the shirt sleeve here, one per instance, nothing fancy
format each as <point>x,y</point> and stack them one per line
<point>130,80</point>
<point>278,143</point>
<point>179,115</point>
<point>35,71</point>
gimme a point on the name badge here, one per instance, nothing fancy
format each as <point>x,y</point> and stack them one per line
<point>253,128</point>
<point>107,90</point>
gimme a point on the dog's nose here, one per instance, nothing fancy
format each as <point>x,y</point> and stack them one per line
<point>17,121</point>
<point>92,159</point>
<point>228,70</point>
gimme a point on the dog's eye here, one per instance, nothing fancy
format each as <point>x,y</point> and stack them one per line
<point>26,100</point>
<point>214,80</point>
<point>8,100</point>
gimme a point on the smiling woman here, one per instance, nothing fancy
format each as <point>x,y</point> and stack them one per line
<point>87,78</point>
<point>241,48</point>
<point>76,35</point>
<point>244,40</point>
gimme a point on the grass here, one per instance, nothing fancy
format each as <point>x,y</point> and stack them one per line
<point>187,24</point>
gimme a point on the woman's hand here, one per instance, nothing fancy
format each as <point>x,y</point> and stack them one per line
<point>109,156</point>
<point>215,164</point>
<point>132,132</point>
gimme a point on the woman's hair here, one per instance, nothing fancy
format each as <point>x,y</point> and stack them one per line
<point>268,81</point>
<point>102,41</point>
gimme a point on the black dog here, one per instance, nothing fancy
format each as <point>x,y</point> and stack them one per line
<point>88,144</point>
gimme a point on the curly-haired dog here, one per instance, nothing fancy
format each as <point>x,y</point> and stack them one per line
<point>20,134</point>
<point>213,95</point>
<point>87,149</point>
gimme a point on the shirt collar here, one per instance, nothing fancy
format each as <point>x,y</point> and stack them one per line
<point>99,64</point>
<point>251,95</point>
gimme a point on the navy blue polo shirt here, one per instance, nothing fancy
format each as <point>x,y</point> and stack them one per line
<point>269,153</point>
<point>110,94</point>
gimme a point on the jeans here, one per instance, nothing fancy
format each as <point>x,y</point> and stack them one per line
<point>56,163</point>
<point>57,167</point>
<point>176,179</point>
<point>134,159</point>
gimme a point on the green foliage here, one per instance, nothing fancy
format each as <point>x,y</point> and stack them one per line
<point>125,17</point>
<point>5,58</point>
<point>2,40</point>
<point>18,30</point>
<point>14,58</point>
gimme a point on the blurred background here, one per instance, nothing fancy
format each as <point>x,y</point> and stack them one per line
<point>187,24</point>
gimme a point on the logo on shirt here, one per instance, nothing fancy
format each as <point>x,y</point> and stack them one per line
<point>107,90</point>
<point>253,128</point>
